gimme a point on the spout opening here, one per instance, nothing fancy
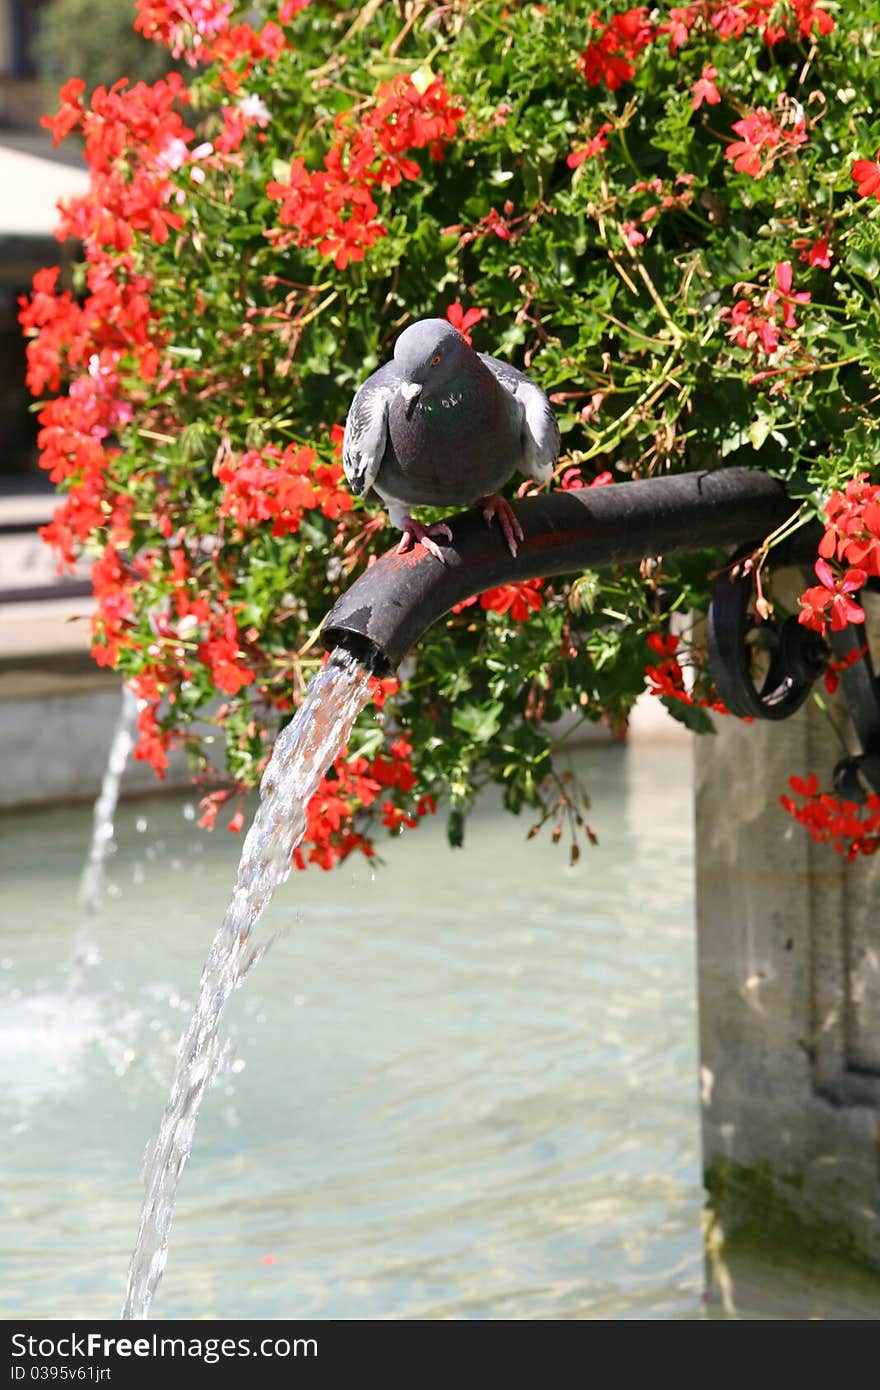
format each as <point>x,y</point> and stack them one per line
<point>364,651</point>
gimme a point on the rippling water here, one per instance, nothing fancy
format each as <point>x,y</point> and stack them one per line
<point>465,1086</point>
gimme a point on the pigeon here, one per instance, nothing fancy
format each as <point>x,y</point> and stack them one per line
<point>441,425</point>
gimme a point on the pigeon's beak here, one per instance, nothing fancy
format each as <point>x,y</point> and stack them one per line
<point>410,390</point>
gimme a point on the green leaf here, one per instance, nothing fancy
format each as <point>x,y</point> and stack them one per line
<point>480,723</point>
<point>759,429</point>
<point>694,717</point>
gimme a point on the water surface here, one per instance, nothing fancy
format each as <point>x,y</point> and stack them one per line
<point>464,1086</point>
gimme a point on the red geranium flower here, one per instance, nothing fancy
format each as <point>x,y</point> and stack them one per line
<point>632,234</point>
<point>608,56</point>
<point>519,599</point>
<point>815,253</point>
<point>704,88</point>
<point>761,135</point>
<point>831,597</point>
<point>463,319</point>
<point>595,145</point>
<point>866,173</point>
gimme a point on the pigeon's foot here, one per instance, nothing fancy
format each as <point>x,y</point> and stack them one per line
<point>414,533</point>
<point>499,506</point>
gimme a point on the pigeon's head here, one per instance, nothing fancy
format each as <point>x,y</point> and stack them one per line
<point>427,354</point>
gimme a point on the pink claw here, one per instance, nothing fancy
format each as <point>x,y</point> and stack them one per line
<point>414,533</point>
<point>499,506</point>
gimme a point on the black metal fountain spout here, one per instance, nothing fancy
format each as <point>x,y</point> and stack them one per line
<point>385,612</point>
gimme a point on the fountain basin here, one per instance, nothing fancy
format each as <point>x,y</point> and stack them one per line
<point>467,1092</point>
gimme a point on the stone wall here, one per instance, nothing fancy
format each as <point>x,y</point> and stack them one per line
<point>789,991</point>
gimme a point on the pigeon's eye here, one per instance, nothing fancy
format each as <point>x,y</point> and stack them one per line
<point>435,360</point>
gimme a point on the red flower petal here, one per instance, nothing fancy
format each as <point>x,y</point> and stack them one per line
<point>825,575</point>
<point>784,276</point>
<point>866,173</point>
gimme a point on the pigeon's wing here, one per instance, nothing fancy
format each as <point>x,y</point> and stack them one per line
<point>540,430</point>
<point>366,430</point>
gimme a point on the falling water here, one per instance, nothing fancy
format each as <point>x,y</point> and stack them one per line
<point>92,881</point>
<point>302,753</point>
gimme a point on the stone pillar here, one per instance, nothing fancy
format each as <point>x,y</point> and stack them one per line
<point>789,990</point>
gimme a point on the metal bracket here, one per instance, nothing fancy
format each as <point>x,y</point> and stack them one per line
<point>796,655</point>
<point>795,658</point>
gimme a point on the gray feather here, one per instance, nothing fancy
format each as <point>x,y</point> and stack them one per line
<point>366,430</point>
<point>541,439</point>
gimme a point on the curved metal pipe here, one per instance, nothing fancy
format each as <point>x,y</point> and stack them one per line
<point>385,612</point>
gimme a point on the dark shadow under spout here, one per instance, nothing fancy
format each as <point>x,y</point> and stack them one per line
<point>385,612</point>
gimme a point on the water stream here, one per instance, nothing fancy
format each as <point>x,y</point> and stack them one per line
<point>92,881</point>
<point>301,755</point>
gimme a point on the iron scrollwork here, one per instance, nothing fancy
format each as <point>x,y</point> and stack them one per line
<point>790,658</point>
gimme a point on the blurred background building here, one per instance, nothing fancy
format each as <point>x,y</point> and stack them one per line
<point>34,600</point>
<point>33,177</point>
<point>42,43</point>
<point>54,703</point>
